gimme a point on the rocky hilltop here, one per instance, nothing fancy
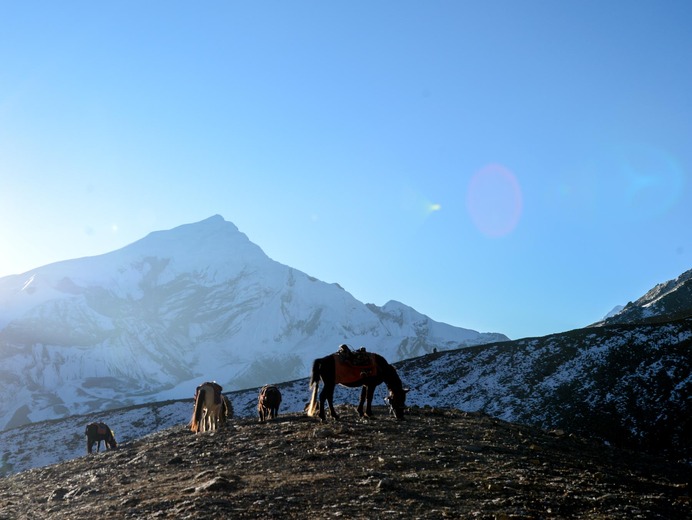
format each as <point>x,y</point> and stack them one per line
<point>438,463</point>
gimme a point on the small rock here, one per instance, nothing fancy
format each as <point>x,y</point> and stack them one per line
<point>57,494</point>
<point>217,484</point>
<point>386,484</point>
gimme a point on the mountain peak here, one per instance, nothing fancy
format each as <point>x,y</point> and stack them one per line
<point>214,239</point>
<point>216,222</point>
<point>202,229</point>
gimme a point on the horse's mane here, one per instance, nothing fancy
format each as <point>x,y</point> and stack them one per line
<point>389,374</point>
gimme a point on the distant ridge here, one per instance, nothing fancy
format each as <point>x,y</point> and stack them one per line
<point>667,301</point>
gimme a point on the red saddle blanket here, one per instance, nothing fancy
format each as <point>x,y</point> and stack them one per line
<point>348,373</point>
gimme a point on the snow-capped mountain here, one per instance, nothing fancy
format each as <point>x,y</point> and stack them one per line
<point>147,322</point>
<point>614,311</point>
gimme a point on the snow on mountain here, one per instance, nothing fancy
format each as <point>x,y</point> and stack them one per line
<point>627,385</point>
<point>147,322</point>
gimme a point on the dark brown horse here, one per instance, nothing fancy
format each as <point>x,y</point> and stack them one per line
<point>268,402</point>
<point>368,371</point>
<point>97,432</point>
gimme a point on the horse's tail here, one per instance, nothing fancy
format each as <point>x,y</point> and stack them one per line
<point>313,406</point>
<point>197,412</point>
<point>225,409</point>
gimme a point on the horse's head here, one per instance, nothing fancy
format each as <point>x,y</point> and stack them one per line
<point>397,401</point>
<point>111,440</point>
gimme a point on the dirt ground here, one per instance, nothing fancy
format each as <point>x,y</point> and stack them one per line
<point>435,464</point>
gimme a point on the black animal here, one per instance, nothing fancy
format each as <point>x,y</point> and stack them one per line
<point>268,402</point>
<point>97,432</point>
<point>367,372</point>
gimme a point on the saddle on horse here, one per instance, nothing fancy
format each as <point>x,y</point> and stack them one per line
<point>354,364</point>
<point>358,357</point>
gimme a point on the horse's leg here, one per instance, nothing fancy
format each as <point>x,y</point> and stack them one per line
<point>322,399</point>
<point>370,396</point>
<point>363,393</point>
<point>327,394</point>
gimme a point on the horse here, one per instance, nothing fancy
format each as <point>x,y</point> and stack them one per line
<point>367,372</point>
<point>268,402</point>
<point>211,409</point>
<point>97,432</point>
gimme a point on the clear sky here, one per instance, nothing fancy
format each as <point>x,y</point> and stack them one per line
<point>507,166</point>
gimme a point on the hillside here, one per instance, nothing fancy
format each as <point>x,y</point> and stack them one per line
<point>629,385</point>
<point>436,464</point>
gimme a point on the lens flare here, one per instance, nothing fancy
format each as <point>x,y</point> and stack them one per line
<point>416,204</point>
<point>494,200</point>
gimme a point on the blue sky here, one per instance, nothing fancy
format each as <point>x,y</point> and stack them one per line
<point>509,166</point>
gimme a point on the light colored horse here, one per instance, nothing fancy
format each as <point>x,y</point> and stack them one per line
<point>211,408</point>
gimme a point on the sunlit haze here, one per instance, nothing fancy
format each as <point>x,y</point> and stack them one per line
<point>505,166</point>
